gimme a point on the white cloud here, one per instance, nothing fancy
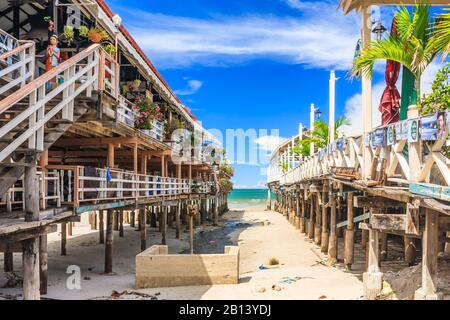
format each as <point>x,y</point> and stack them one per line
<point>353,111</point>
<point>269,143</point>
<point>429,75</point>
<point>192,87</point>
<point>321,37</point>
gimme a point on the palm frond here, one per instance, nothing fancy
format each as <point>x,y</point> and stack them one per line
<point>441,38</point>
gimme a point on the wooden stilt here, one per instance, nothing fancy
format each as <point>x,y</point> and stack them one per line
<point>410,250</point>
<point>332,241</point>
<point>101,227</point>
<point>429,290</point>
<point>372,279</point>
<point>109,242</point>
<point>311,220</point>
<point>349,234</point>
<point>153,217</point>
<point>121,223</point>
<point>30,258</point>
<point>63,238</point>
<point>116,220</point>
<point>384,246</point>
<point>317,224</point>
<point>324,235</point>
<point>70,229</point>
<point>43,264</point>
<point>143,229</point>
<point>132,219</point>
<point>163,225</point>
<point>147,215</point>
<point>177,221</point>
<point>8,261</point>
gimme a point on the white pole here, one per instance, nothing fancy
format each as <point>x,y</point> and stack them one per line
<point>332,106</point>
<point>311,124</point>
<point>293,154</point>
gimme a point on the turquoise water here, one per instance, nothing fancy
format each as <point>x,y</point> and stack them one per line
<point>244,198</point>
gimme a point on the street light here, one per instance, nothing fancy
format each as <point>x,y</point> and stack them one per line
<point>117,21</point>
<point>378,28</point>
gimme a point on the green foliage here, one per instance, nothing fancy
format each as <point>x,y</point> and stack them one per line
<point>417,44</point>
<point>83,31</point>
<point>68,35</point>
<point>284,166</point>
<point>109,48</point>
<point>226,170</point>
<point>302,148</point>
<point>439,98</point>
<point>173,124</point>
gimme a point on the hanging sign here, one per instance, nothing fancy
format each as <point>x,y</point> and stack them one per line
<point>405,127</point>
<point>340,144</point>
<point>379,137</point>
<point>428,128</point>
<point>413,130</point>
<point>366,139</point>
<point>390,135</point>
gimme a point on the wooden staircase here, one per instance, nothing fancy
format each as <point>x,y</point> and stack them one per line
<point>35,113</point>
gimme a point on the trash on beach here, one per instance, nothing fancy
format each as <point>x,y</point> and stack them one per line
<point>289,280</point>
<point>322,297</point>
<point>273,262</point>
<point>262,267</point>
<point>261,290</point>
<point>276,287</point>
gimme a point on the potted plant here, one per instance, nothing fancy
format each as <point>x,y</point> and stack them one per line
<point>146,113</point>
<point>109,48</point>
<point>68,35</point>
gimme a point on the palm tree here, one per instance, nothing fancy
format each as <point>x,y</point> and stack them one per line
<point>442,30</point>
<point>418,42</point>
<point>319,136</point>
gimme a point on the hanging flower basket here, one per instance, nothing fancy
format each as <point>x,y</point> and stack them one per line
<point>146,113</point>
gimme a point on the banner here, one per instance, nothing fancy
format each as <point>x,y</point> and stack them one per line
<point>442,125</point>
<point>379,137</point>
<point>390,135</point>
<point>429,128</point>
<point>413,130</point>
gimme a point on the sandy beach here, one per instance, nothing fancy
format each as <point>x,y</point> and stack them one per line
<point>260,234</point>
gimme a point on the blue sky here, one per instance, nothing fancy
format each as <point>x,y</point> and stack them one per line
<point>254,63</point>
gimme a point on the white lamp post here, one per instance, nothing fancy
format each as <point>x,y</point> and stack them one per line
<point>332,106</point>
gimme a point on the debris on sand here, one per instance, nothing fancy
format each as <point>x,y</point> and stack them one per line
<point>261,290</point>
<point>132,295</point>
<point>10,280</point>
<point>322,297</point>
<point>276,287</point>
<point>273,262</point>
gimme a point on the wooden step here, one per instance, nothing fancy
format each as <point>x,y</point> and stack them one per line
<point>14,164</point>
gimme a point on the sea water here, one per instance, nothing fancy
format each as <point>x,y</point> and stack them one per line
<point>244,198</point>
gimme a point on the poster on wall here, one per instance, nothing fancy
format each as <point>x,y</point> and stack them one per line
<point>429,128</point>
<point>372,140</point>
<point>340,144</point>
<point>366,139</point>
<point>379,137</point>
<point>390,135</point>
<point>442,125</point>
<point>413,130</point>
<point>405,128</point>
<point>398,131</point>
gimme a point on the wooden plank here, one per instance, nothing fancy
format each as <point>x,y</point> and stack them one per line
<point>375,202</point>
<point>412,223</point>
<point>381,221</point>
<point>356,219</point>
<point>430,190</point>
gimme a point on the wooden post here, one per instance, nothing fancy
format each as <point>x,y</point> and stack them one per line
<point>372,279</point>
<point>324,235</point>
<point>428,290</point>
<point>101,227</point>
<point>410,250</point>
<point>143,229</point>
<point>70,228</point>
<point>110,159</point>
<point>191,234</point>
<point>311,219</point>
<point>164,224</point>
<point>317,225</point>
<point>177,219</point>
<point>153,216</point>
<point>332,242</point>
<point>115,220</point>
<point>31,191</point>
<point>109,242</point>
<point>384,246</point>
<point>132,219</point>
<point>43,264</point>
<point>349,234</point>
<point>121,223</point>
<point>30,258</point>
<point>302,217</point>
<point>63,238</point>
<point>8,261</point>
<point>216,212</point>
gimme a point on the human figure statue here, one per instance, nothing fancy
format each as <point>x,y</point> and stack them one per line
<point>53,57</point>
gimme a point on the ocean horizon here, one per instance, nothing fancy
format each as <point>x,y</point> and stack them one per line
<point>245,198</point>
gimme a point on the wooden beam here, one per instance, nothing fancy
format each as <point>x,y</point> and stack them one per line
<point>375,202</point>
<point>110,160</point>
<point>95,141</point>
<point>382,221</point>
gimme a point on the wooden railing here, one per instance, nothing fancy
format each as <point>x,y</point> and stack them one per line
<point>79,74</point>
<point>419,164</point>
<point>126,115</point>
<point>109,74</point>
<point>17,66</point>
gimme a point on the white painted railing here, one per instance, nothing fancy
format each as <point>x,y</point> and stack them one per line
<point>79,74</point>
<point>17,66</point>
<point>126,115</point>
<point>402,161</point>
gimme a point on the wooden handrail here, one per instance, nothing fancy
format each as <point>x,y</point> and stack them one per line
<point>18,95</point>
<point>26,45</point>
